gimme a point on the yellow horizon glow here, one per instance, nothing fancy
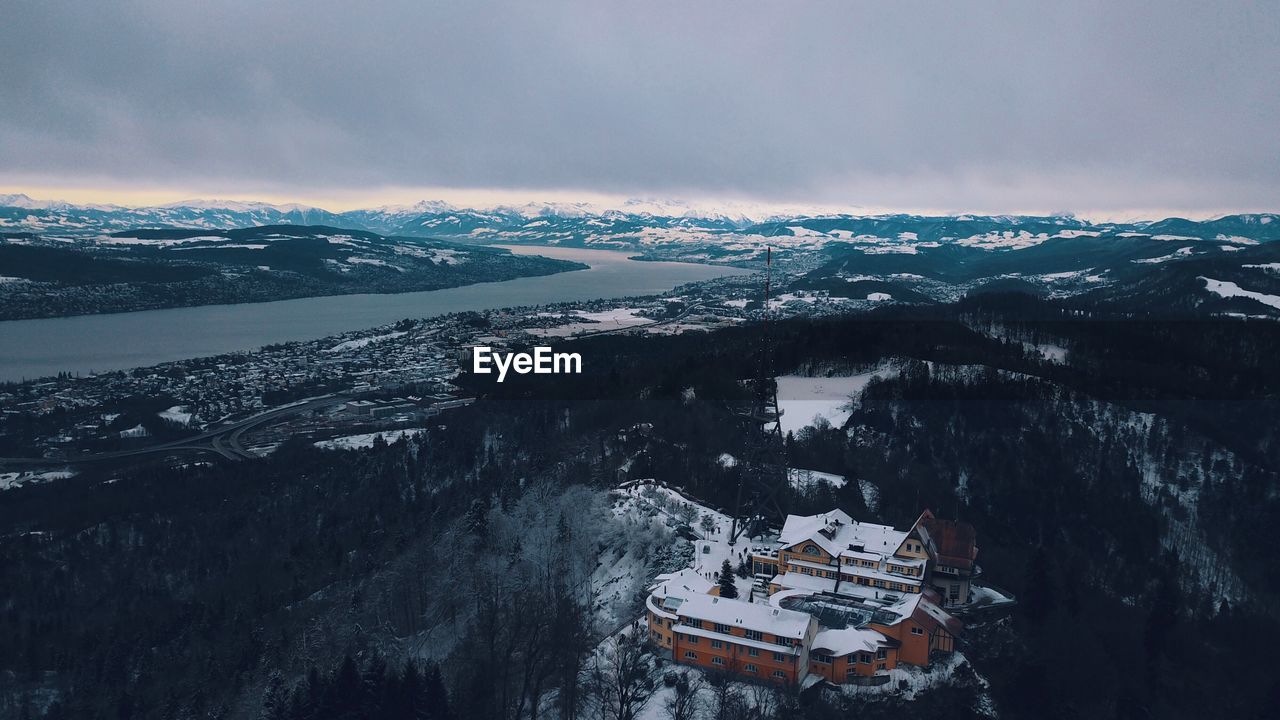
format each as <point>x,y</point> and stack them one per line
<point>355,199</point>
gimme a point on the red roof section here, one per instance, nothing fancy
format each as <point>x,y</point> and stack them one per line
<point>955,542</point>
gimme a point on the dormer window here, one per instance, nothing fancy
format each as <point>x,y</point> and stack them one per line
<point>811,549</point>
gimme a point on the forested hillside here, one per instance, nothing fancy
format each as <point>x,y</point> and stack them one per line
<point>1122,477</point>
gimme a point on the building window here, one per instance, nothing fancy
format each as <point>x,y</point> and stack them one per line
<point>881,654</point>
<point>779,674</point>
<point>779,657</point>
<point>753,652</point>
<point>717,644</point>
<point>811,550</point>
<point>917,631</point>
<point>822,658</point>
<point>755,635</point>
<point>693,639</point>
<point>717,661</point>
<point>880,666</point>
<point>722,628</point>
<point>781,641</point>
<point>691,654</point>
<point>864,658</point>
<point>749,668</point>
<point>851,672</point>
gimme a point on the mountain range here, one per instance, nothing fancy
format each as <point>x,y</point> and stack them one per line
<point>1229,264</point>
<point>636,223</point>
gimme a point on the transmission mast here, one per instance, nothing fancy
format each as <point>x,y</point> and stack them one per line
<point>763,427</point>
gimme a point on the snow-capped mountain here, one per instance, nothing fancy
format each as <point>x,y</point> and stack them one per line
<point>732,232</point>
<point>19,213</point>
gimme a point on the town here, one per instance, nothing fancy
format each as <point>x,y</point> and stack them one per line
<point>335,390</point>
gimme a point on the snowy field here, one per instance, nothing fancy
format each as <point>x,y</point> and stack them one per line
<point>807,479</point>
<point>355,442</point>
<point>177,414</point>
<point>616,319</point>
<point>805,399</point>
<point>361,342</point>
<point>11,480</point>
<point>1229,290</point>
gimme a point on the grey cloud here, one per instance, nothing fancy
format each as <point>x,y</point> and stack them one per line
<point>1070,105</point>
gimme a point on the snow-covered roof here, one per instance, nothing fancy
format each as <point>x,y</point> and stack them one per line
<point>943,617</point>
<point>838,533</point>
<point>737,640</point>
<point>800,581</point>
<point>683,583</point>
<point>753,616</point>
<point>848,640</point>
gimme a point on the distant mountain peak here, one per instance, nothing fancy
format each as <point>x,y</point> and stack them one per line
<point>236,206</point>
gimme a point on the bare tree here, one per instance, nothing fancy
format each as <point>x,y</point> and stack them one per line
<point>621,677</point>
<point>687,703</point>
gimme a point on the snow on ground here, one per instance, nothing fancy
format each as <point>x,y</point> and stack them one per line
<point>11,480</point>
<point>983,596</point>
<point>159,242</point>
<point>448,256</point>
<point>908,681</point>
<point>1180,252</point>
<point>1003,240</point>
<point>802,480</point>
<point>1269,267</point>
<point>1237,239</point>
<point>801,231</point>
<point>727,460</point>
<point>878,297</point>
<point>1052,353</point>
<point>361,342</point>
<point>1068,275</point>
<point>804,399</point>
<point>376,262</point>
<point>712,527</point>
<point>738,303</point>
<point>615,319</point>
<point>177,414</point>
<point>227,246</point>
<point>355,442</point>
<point>1229,289</point>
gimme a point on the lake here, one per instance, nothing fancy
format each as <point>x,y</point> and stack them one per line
<point>94,343</point>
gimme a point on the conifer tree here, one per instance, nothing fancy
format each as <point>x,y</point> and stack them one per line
<point>727,587</point>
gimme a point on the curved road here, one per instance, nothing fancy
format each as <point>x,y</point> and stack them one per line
<point>224,440</point>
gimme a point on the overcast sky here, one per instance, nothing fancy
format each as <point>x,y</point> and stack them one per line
<point>1017,106</point>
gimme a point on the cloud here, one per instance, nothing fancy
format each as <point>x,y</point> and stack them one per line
<point>969,105</point>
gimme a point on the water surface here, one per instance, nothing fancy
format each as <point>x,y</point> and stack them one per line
<point>96,343</point>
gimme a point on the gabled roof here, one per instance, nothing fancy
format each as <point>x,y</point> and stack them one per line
<point>683,583</point>
<point>836,533</point>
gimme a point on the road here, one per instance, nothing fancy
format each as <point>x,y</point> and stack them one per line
<point>225,441</point>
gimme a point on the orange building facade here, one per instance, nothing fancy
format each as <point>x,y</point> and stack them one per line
<point>870,585</point>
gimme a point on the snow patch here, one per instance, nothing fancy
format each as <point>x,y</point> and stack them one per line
<point>1229,289</point>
